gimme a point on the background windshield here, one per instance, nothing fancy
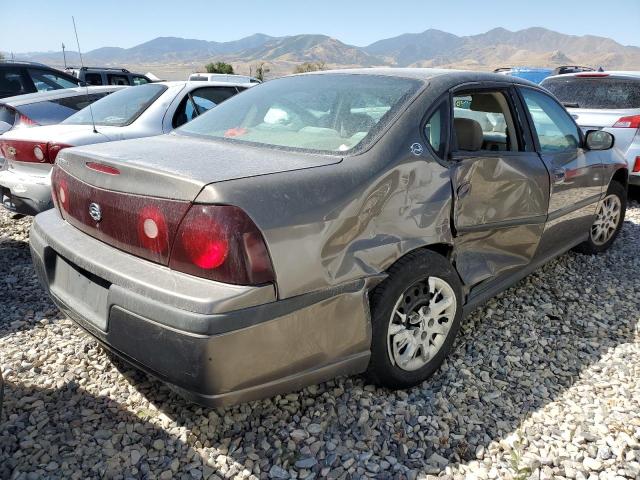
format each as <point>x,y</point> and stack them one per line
<point>329,112</point>
<point>120,108</point>
<point>605,93</point>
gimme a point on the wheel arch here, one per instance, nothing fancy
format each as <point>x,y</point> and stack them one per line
<point>443,249</point>
<point>621,176</point>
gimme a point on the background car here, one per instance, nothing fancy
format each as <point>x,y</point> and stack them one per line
<point>320,225</point>
<point>18,78</point>
<point>47,108</point>
<point>133,112</point>
<point>222,77</point>
<point>609,101</point>
<point>538,74</point>
<point>107,76</point>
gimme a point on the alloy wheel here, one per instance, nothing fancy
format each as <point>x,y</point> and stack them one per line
<point>607,220</point>
<point>420,323</point>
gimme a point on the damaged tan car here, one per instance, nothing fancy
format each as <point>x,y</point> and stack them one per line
<point>323,224</point>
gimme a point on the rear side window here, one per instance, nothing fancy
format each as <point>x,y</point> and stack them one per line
<point>55,111</point>
<point>199,101</point>
<point>93,78</point>
<point>7,115</point>
<point>45,80</point>
<point>554,127</point>
<point>435,129</point>
<point>117,79</point>
<point>12,82</point>
<point>599,92</point>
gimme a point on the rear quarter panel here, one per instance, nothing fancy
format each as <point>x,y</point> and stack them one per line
<point>329,225</point>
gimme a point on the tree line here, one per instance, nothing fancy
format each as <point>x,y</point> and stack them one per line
<point>261,69</point>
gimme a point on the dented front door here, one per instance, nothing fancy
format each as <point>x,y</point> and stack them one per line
<point>500,208</point>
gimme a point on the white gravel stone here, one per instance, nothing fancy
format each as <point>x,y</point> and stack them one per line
<point>544,381</point>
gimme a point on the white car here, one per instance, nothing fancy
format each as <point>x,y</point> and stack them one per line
<point>222,77</point>
<point>607,101</point>
<point>134,112</point>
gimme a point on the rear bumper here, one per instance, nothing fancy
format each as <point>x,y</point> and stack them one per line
<point>216,344</point>
<point>634,179</point>
<point>23,193</point>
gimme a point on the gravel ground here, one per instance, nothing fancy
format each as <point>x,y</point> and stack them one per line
<point>544,382</point>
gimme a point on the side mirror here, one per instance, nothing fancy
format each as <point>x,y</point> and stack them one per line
<point>599,140</point>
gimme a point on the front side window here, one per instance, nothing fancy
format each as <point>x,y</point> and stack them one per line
<point>45,81</point>
<point>555,129</point>
<point>139,80</point>
<point>120,108</point>
<point>327,112</point>
<point>482,121</point>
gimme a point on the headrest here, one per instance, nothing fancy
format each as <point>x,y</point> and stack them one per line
<point>485,102</point>
<point>469,134</point>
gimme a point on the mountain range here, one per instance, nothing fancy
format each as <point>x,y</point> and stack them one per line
<point>498,47</point>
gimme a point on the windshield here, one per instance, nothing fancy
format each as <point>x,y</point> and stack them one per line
<point>120,108</point>
<point>328,112</point>
<point>599,93</point>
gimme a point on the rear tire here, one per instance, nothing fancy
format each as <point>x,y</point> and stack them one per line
<point>415,317</point>
<point>608,222</point>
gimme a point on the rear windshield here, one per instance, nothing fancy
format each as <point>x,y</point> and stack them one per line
<point>602,92</point>
<point>54,111</point>
<point>328,112</point>
<point>120,108</point>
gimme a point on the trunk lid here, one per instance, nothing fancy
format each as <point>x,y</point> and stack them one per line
<point>134,194</point>
<point>178,166</point>
<point>597,119</point>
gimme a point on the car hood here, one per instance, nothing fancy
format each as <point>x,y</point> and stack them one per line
<point>177,166</point>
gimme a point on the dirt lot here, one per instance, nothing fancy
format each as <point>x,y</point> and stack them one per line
<point>544,382</point>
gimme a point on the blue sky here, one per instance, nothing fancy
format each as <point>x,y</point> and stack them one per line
<point>41,25</point>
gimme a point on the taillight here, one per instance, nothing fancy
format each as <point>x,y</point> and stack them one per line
<point>628,122</point>
<point>221,243</point>
<point>636,165</point>
<point>31,151</point>
<point>102,168</point>
<point>60,195</point>
<point>53,149</point>
<point>24,121</point>
<point>152,230</point>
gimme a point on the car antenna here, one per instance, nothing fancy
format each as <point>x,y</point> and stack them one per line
<point>86,86</point>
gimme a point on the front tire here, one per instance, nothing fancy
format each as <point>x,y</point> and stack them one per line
<point>415,317</point>
<point>608,222</point>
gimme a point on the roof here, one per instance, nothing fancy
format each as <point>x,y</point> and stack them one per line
<point>605,74</point>
<point>456,76</point>
<point>28,98</point>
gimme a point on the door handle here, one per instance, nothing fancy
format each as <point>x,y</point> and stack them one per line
<point>559,175</point>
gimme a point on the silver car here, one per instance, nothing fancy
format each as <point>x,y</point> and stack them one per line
<point>321,225</point>
<point>133,112</point>
<point>609,101</point>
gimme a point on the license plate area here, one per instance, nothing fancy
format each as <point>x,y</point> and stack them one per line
<point>82,291</point>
